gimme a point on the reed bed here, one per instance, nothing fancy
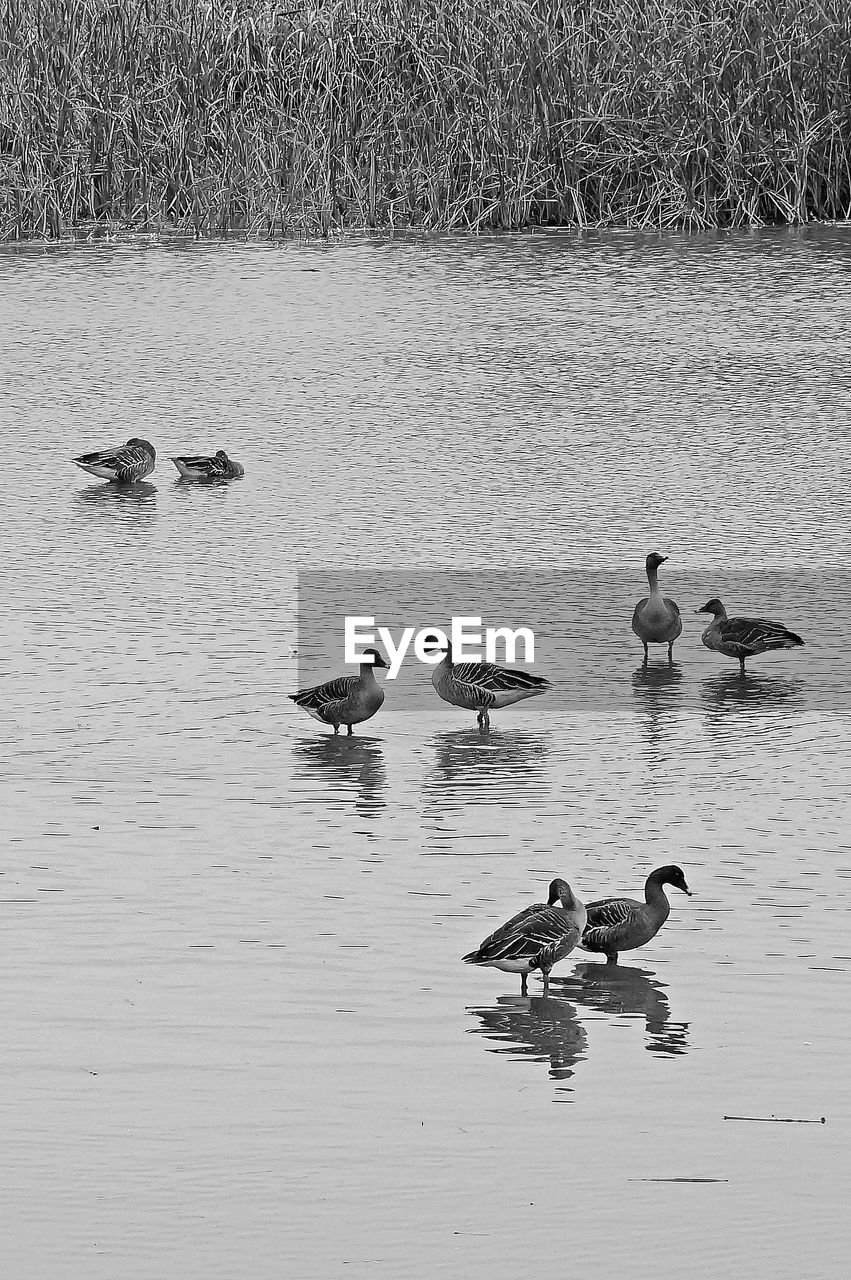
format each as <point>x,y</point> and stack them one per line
<point>280,118</point>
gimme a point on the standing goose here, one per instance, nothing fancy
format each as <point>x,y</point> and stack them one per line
<point>744,637</point>
<point>126,464</point>
<point>348,699</point>
<point>219,467</point>
<point>478,686</point>
<point>622,924</point>
<point>656,619</point>
<point>536,938</point>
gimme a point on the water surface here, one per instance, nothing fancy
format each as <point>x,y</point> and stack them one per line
<point>237,1036</point>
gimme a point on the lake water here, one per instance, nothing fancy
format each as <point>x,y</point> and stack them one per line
<point>236,1035</point>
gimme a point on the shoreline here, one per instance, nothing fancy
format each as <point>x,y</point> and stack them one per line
<point>101,234</point>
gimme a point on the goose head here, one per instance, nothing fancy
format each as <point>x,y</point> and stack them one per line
<point>674,876</point>
<point>653,561</point>
<point>557,887</point>
<point>371,657</point>
<point>221,456</point>
<point>560,891</point>
<point>713,606</point>
<point>136,442</point>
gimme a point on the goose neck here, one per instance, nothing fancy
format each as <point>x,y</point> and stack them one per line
<point>654,892</point>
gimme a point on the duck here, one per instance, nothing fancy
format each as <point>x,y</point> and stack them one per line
<point>744,637</point>
<point>536,938</point>
<point>347,700</point>
<point>219,467</point>
<point>125,465</point>
<point>478,686</point>
<point>656,619</point>
<point>624,924</point>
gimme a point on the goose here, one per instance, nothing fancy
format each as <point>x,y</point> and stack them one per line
<point>477,686</point>
<point>623,924</point>
<point>219,467</point>
<point>656,619</point>
<point>126,464</point>
<point>536,938</point>
<point>744,637</point>
<point>347,700</point>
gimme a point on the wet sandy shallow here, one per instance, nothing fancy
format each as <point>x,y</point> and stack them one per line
<point>237,1036</point>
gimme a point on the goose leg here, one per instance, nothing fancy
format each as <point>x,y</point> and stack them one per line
<point>336,728</point>
<point>483,719</point>
<point>670,653</point>
<point>349,732</point>
<point>523,984</point>
<point>742,667</point>
<point>545,973</point>
<point>646,652</point>
<point>612,957</point>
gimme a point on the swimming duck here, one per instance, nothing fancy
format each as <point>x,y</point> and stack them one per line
<point>536,938</point>
<point>744,637</point>
<point>656,619</point>
<point>477,686</point>
<point>219,467</point>
<point>347,700</point>
<point>126,464</point>
<point>622,924</point>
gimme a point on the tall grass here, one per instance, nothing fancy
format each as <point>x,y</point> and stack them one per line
<point>282,116</point>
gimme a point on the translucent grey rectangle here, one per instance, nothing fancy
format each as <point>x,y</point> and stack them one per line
<point>581,622</point>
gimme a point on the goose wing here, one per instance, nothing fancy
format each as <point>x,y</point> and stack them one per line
<point>607,921</point>
<point>200,465</point>
<point>676,619</point>
<point>756,635</point>
<point>130,462</point>
<point>101,458</point>
<point>494,679</point>
<point>524,936</point>
<point>322,697</point>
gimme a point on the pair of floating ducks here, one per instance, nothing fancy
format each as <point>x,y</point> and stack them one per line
<point>541,935</point>
<point>483,686</point>
<point>137,458</point>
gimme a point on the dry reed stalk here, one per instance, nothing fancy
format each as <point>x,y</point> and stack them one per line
<point>288,116</point>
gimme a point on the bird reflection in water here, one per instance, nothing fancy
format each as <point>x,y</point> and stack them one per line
<point>657,691</point>
<point>353,768</point>
<point>137,494</point>
<point>133,506</point>
<point>729,694</point>
<point>543,1028</point>
<point>627,992</point>
<point>468,766</point>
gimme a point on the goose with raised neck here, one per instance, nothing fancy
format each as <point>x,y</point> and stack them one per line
<point>624,924</point>
<point>656,619</point>
<point>347,700</point>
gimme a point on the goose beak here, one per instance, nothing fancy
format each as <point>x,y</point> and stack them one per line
<point>662,559</point>
<point>687,891</point>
